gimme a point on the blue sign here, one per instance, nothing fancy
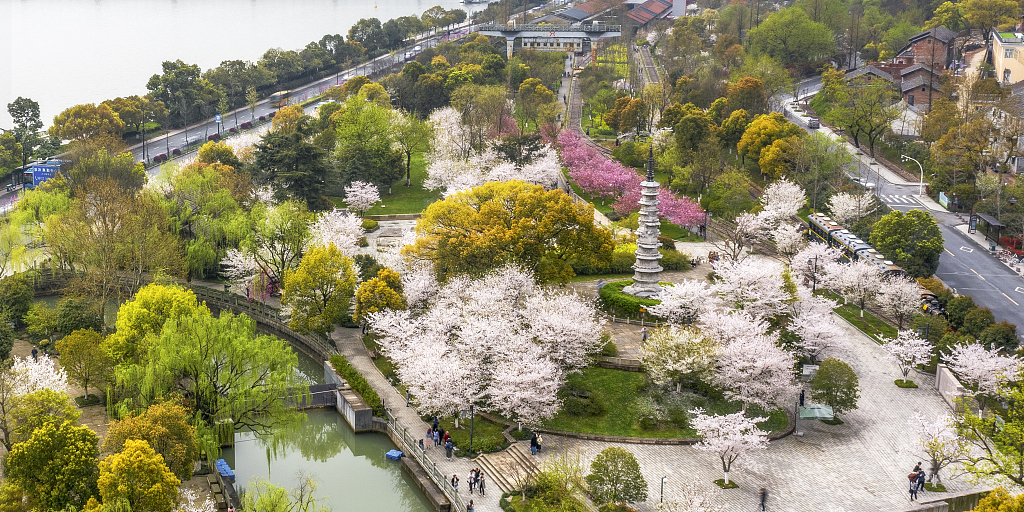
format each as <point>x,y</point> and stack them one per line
<point>944,200</point>
<point>43,172</point>
<point>218,118</point>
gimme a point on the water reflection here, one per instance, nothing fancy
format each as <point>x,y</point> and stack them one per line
<point>352,470</point>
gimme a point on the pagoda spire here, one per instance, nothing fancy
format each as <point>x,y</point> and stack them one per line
<point>647,268</point>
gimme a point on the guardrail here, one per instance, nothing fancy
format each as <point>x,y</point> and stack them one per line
<point>412,447</point>
<point>596,27</point>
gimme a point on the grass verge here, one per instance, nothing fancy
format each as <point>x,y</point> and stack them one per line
<point>487,437</point>
<point>905,383</point>
<point>928,486</point>
<point>403,199</point>
<point>731,485</point>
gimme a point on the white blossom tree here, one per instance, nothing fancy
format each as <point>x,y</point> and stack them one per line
<point>908,350</point>
<point>240,270</point>
<point>741,235</point>
<point>730,436</point>
<point>938,441</point>
<point>335,227</point>
<point>34,375</point>
<point>810,263</point>
<point>692,497</point>
<point>789,239</point>
<point>756,286</point>
<point>419,286</point>
<point>780,201</point>
<point>858,281</point>
<point>849,208</point>
<point>676,354</point>
<point>684,302</point>
<point>983,370</point>
<point>500,342</point>
<point>900,297</point>
<point>361,196</point>
<point>754,370</point>
<point>729,325</point>
<point>814,325</point>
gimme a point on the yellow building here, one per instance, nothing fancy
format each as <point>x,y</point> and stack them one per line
<point>1008,56</point>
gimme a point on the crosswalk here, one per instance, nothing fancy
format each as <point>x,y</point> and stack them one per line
<point>899,200</point>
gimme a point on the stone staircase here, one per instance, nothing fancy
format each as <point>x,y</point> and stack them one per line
<point>509,468</point>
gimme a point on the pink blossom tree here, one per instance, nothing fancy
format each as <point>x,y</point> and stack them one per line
<point>908,350</point>
<point>983,370</point>
<point>858,281</point>
<point>754,370</point>
<point>678,354</point>
<point>361,196</point>
<point>730,436</point>
<point>900,297</point>
<point>938,441</point>
<point>240,270</point>
<point>727,326</point>
<point>789,239</point>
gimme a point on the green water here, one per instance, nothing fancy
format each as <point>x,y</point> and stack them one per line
<point>351,470</point>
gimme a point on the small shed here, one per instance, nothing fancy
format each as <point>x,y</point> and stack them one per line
<point>990,226</point>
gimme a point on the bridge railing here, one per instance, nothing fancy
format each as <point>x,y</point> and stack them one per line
<point>501,27</point>
<point>411,443</point>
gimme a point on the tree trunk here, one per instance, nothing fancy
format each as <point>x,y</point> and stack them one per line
<point>726,477</point>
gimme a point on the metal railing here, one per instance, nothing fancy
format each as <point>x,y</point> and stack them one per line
<point>411,444</point>
<point>596,27</point>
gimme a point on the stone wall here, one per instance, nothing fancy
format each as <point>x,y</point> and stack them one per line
<point>949,387</point>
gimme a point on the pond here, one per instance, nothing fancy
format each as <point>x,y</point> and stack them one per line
<point>351,469</point>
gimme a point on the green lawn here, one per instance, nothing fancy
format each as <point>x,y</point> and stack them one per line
<point>869,324</point>
<point>403,199</point>
<point>487,435</point>
<point>623,392</point>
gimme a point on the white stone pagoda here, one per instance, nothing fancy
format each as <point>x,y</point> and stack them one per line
<point>647,269</point>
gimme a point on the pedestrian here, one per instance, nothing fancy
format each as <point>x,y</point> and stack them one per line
<point>35,354</point>
<point>470,507</point>
<point>421,445</point>
<point>643,335</point>
<point>920,480</point>
<point>448,447</point>
<point>764,497</point>
<point>437,438</point>
<point>435,422</point>
<point>540,442</point>
<point>430,434</point>
<point>472,481</point>
<point>917,467</point>
<point>801,398</point>
<point>480,483</point>
<point>913,491</point>
<point>447,436</point>
<point>455,483</point>
<point>533,444</point>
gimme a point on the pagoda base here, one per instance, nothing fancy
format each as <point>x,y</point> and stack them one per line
<point>643,290</point>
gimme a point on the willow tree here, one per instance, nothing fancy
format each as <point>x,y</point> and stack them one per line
<point>232,377</point>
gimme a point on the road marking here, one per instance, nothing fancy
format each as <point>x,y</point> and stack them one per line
<point>1019,289</point>
<point>979,275</point>
<point>967,249</point>
<point>947,250</point>
<point>1011,300</point>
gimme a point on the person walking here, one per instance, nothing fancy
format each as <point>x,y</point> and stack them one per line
<point>455,483</point>
<point>533,444</point>
<point>447,436</point>
<point>448,447</point>
<point>913,491</point>
<point>469,508</point>
<point>763,495</point>
<point>540,443</point>
<point>920,480</point>
<point>643,335</point>
<point>437,438</point>
<point>480,483</point>
<point>435,423</point>
<point>35,354</point>
<point>429,435</point>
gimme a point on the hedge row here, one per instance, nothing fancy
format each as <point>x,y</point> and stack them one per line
<point>358,383</point>
<point>621,304</point>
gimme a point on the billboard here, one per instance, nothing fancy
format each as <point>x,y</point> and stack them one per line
<point>43,172</point>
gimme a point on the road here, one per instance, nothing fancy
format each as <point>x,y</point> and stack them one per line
<point>198,133</point>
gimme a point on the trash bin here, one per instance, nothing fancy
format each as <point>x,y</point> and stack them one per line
<point>992,246</point>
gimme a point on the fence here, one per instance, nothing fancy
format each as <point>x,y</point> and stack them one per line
<point>400,435</point>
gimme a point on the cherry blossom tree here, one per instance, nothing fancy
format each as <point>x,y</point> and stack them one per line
<point>240,270</point>
<point>34,375</point>
<point>814,325</point>
<point>908,350</point>
<point>729,325</point>
<point>740,236</point>
<point>938,441</point>
<point>730,436</point>
<point>676,354</point>
<point>754,370</point>
<point>755,286</point>
<point>419,286</point>
<point>983,370</point>
<point>684,302</point>
<point>900,297</point>
<point>336,227</point>
<point>500,342</point>
<point>780,201</point>
<point>849,208</point>
<point>810,263</point>
<point>789,239</point>
<point>361,196</point>
<point>857,281</point>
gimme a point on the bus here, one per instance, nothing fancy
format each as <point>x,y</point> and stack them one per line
<point>39,172</point>
<point>279,99</point>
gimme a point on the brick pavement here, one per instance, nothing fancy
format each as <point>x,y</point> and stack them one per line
<point>858,466</point>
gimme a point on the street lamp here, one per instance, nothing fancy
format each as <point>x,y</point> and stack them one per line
<point>663,480</point>
<point>471,417</point>
<point>920,186</point>
<point>814,275</point>
<point>704,228</point>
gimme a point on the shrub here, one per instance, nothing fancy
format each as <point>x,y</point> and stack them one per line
<point>1002,335</point>
<point>232,130</point>
<point>608,349</point>
<point>358,383</point>
<point>579,399</point>
<point>263,118</point>
<point>363,242</point>
<point>614,301</point>
<point>674,260</point>
<point>957,309</point>
<point>215,136</point>
<point>616,507</point>
<point>622,262</point>
<point>370,225</point>
<point>176,151</point>
<point>977,321</point>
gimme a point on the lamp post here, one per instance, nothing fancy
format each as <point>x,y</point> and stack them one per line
<point>920,186</point>
<point>471,430</point>
<point>663,480</point>
<point>704,228</point>
<point>814,275</point>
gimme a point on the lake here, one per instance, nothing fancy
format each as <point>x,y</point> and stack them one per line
<point>63,53</point>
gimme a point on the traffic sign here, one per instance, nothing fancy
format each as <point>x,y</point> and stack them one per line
<point>217,117</point>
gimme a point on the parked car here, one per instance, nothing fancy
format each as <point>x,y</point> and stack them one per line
<point>813,123</point>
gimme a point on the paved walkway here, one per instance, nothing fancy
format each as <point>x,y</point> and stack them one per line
<point>858,466</point>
